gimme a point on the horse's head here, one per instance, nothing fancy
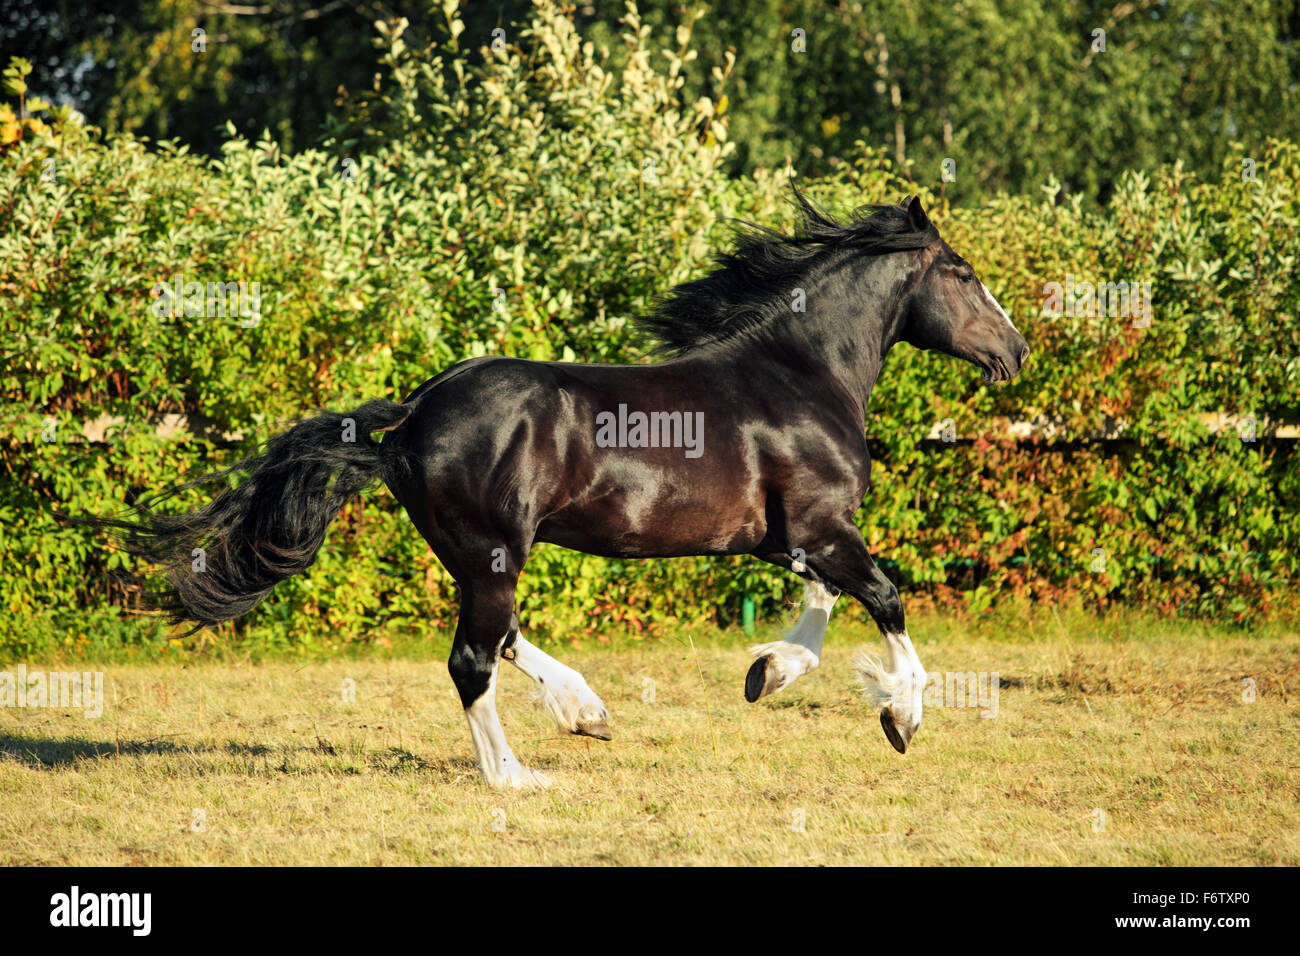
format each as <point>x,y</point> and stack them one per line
<point>951,310</point>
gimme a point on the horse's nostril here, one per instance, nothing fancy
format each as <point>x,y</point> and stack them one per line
<point>1024,353</point>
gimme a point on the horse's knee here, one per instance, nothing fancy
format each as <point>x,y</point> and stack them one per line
<point>471,674</point>
<point>888,608</point>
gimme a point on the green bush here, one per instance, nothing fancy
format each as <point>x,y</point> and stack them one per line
<point>529,201</point>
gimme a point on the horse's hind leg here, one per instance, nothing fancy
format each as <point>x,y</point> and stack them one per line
<point>485,626</point>
<point>779,664</point>
<point>565,695</point>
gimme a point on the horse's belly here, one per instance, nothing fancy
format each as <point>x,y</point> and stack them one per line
<point>616,527</point>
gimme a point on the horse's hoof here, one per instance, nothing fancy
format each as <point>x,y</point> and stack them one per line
<point>892,732</point>
<point>761,679</point>
<point>517,777</point>
<point>531,780</point>
<point>597,727</point>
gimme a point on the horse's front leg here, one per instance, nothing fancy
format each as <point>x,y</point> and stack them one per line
<point>897,689</point>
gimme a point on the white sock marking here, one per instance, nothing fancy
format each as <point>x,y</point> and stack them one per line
<point>495,758</point>
<point>901,686</point>
<point>564,693</point>
<point>800,651</point>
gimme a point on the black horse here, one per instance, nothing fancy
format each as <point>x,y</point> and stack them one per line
<point>747,439</point>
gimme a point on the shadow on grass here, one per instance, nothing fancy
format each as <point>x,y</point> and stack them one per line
<point>45,752</point>
<point>49,754</point>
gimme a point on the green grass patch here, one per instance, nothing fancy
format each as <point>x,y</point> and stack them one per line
<point>1121,741</point>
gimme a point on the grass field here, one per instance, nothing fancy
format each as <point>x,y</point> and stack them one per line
<point>1119,743</point>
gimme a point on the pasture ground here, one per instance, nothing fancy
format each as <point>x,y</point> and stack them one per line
<point>1119,742</point>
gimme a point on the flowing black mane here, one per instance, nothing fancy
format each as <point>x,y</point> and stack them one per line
<point>754,283</point>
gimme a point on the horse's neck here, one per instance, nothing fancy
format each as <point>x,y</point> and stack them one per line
<point>839,356</point>
<point>849,339</point>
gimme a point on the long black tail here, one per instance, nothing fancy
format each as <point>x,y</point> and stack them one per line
<point>221,560</point>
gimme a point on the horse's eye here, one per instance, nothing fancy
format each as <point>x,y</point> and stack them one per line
<point>967,276</point>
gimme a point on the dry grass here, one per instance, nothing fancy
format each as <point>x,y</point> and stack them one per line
<point>1150,730</point>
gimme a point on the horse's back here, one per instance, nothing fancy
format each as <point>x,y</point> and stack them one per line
<point>554,446</point>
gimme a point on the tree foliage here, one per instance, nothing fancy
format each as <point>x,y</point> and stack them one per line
<point>1009,93</point>
<point>529,201</point>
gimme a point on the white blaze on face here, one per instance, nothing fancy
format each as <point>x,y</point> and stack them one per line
<point>1001,311</point>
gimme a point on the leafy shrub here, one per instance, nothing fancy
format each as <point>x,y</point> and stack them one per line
<point>527,201</point>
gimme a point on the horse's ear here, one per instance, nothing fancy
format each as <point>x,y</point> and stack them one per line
<point>916,216</point>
